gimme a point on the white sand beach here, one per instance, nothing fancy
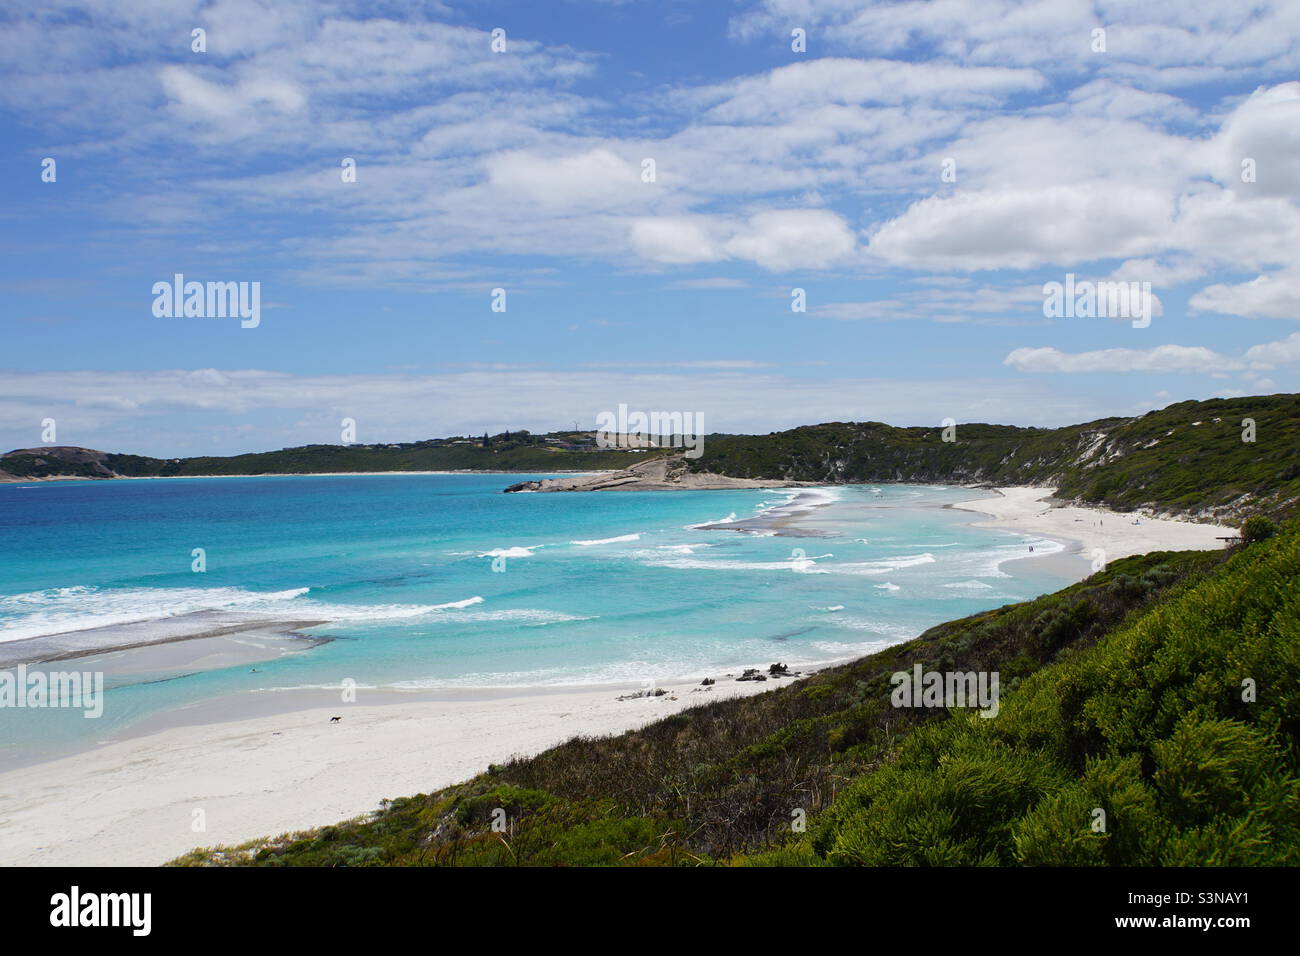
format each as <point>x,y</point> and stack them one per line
<point>264,764</point>
<point>1117,534</point>
<point>132,802</point>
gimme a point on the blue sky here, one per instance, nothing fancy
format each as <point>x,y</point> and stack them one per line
<point>521,170</point>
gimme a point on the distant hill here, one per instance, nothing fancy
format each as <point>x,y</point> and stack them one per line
<point>1189,458</point>
<point>54,461</point>
<point>513,451</point>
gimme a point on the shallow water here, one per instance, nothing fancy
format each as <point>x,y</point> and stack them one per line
<point>587,588</point>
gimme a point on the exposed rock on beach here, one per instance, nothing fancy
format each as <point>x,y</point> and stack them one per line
<point>657,474</point>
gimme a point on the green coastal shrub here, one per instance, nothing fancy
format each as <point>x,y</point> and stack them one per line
<point>1257,528</point>
<point>1108,817</point>
<point>948,800</point>
<point>1171,742</point>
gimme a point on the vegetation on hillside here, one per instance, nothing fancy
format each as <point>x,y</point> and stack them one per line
<point>1171,743</point>
<point>1222,457</point>
<point>510,451</point>
<point>1126,693</point>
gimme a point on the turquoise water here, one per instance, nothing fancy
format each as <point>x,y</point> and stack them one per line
<point>600,587</point>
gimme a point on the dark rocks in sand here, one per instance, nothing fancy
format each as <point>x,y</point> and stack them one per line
<point>751,673</point>
<point>657,692</point>
<point>706,682</point>
<point>335,720</point>
<point>779,670</point>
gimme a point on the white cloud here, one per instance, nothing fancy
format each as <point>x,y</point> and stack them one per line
<point>808,85</point>
<point>779,241</point>
<point>1162,358</point>
<point>463,153</point>
<point>1275,296</point>
<point>1264,130</point>
<point>1272,354</point>
<point>1161,273</point>
<point>1023,228</point>
<point>713,282</point>
<point>947,302</point>
<point>702,363</point>
<point>789,239</point>
<point>1165,358</point>
<point>677,240</point>
<point>241,110</point>
<point>158,411</point>
<point>1169,39</point>
<point>596,178</point>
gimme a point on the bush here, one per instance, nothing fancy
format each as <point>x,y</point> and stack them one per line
<point>1159,726</point>
<point>1257,528</point>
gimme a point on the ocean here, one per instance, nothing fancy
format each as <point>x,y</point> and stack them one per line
<point>441,581</point>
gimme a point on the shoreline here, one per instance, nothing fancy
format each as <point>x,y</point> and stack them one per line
<point>195,653</point>
<point>147,633</point>
<point>131,802</point>
<point>779,520</point>
<point>299,474</point>
<point>268,762</point>
<point>1025,509</point>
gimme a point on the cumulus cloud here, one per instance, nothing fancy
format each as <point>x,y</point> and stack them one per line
<point>1162,358</point>
<point>1023,228</point>
<point>594,178</point>
<point>1065,159</point>
<point>1258,146</point>
<point>789,239</point>
<point>465,154</point>
<point>779,241</point>
<point>677,240</point>
<point>1272,354</point>
<point>1275,296</point>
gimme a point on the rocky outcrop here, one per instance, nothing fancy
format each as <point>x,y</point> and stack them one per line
<point>657,474</point>
<point>54,461</point>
